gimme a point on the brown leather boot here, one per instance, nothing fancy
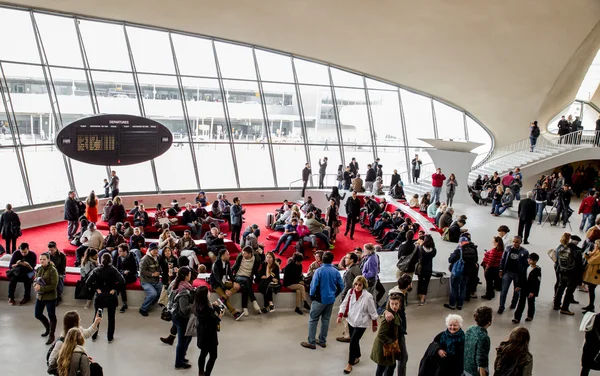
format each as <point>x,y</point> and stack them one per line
<point>52,330</point>
<point>168,340</point>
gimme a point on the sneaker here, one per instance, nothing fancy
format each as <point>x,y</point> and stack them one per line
<point>11,302</point>
<point>221,303</point>
<point>143,313</point>
<point>264,310</point>
<point>87,305</point>
<point>123,309</point>
<point>256,307</point>
<point>569,313</point>
<point>449,306</point>
<point>343,339</point>
<point>238,315</point>
<point>184,366</point>
<point>308,345</point>
<point>246,312</point>
<point>298,311</point>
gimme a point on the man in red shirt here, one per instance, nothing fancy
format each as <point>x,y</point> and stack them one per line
<point>437,181</point>
<point>587,212</point>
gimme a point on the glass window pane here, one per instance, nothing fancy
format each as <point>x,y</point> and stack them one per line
<point>235,61</point>
<point>116,93</point>
<point>374,84</point>
<point>423,156</point>
<point>386,117</point>
<point>311,73</point>
<point>332,152</point>
<point>88,178</point>
<point>589,118</point>
<point>450,122</point>
<point>73,94</point>
<point>574,109</point>
<point>18,39</point>
<point>59,37</point>
<point>13,190</point>
<point>162,103</point>
<point>282,108</point>
<point>151,50</point>
<point>274,67</point>
<point>135,178</point>
<point>319,114</point>
<point>105,45</point>
<point>352,107</point>
<point>215,175</point>
<point>289,162</point>
<point>250,159</point>
<point>29,96</point>
<point>195,56</point>
<point>175,169</point>
<point>245,111</point>
<point>418,117</point>
<point>205,109</point>
<point>343,78</point>
<point>478,134</point>
<point>45,164</point>
<point>392,158</point>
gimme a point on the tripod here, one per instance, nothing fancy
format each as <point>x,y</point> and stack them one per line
<point>554,208</point>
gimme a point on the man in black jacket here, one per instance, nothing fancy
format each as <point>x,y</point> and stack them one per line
<point>353,167</point>
<point>322,169</point>
<point>126,264</point>
<point>527,212</point>
<point>221,281</point>
<point>529,285</point>
<point>71,215</point>
<point>466,251</point>
<point>563,209</point>
<point>305,176</point>
<point>352,214</point>
<point>370,179</point>
<point>59,260</point>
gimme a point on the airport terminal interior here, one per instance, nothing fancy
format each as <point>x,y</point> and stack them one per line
<point>170,103</point>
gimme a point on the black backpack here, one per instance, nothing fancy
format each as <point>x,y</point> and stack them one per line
<point>61,339</point>
<point>566,261</point>
<point>535,132</point>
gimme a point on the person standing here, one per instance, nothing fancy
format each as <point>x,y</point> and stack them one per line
<point>586,209</point>
<point>71,215</point>
<point>305,176</point>
<point>181,298</point>
<point>59,259</point>
<point>370,179</point>
<point>416,168</point>
<point>427,252</point>
<point>527,212</point>
<point>591,275</point>
<point>352,271</point>
<point>404,285</point>
<point>325,286</point>
<point>386,349</point>
<point>465,254</point>
<point>513,356</point>
<point>591,348</point>
<point>451,185</point>
<point>322,170</point>
<point>513,264</point>
<point>597,138</point>
<point>396,179</point>
<point>491,264</point>
<point>352,214</point>
<point>445,355</point>
<point>437,181</point>
<point>208,318</point>
<point>106,281</point>
<point>353,167</point>
<point>45,283</point>
<point>358,307</point>
<point>114,184</point>
<point>534,133</point>
<point>10,228</point>
<point>236,220</point>
<point>477,343</point>
<point>530,288</point>
<point>91,207</point>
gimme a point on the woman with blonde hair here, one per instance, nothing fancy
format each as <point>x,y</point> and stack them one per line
<point>359,308</point>
<point>72,358</point>
<point>513,356</point>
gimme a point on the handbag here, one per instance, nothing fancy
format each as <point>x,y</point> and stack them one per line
<point>404,261</point>
<point>419,264</point>
<point>81,290</point>
<point>191,329</point>
<point>390,349</point>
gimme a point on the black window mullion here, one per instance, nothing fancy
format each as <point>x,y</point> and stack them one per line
<point>405,136</point>
<point>370,118</point>
<point>336,116</point>
<point>301,112</point>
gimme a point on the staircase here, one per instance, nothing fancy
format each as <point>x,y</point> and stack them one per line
<point>512,156</point>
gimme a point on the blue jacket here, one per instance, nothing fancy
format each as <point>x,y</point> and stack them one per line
<point>236,214</point>
<point>330,284</point>
<point>370,267</point>
<point>523,256</point>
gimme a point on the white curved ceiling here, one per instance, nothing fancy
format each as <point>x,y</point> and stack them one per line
<point>499,60</point>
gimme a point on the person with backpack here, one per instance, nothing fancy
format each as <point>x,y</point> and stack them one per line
<point>534,133</point>
<point>463,262</point>
<point>181,297</point>
<point>591,275</point>
<point>569,267</point>
<point>513,264</point>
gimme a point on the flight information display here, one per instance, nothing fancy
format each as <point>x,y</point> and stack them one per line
<point>111,140</point>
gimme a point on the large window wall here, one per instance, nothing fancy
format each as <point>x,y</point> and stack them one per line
<point>242,117</point>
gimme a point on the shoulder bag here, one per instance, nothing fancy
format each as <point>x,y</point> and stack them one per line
<point>81,290</point>
<point>419,264</point>
<point>191,329</point>
<point>404,261</point>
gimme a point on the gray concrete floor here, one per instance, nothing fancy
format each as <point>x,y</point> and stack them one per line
<point>260,345</point>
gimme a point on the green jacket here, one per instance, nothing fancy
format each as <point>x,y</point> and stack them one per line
<point>50,277</point>
<point>388,333</point>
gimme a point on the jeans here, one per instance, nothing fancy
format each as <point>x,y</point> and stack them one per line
<point>138,254</point>
<point>449,198</point>
<point>355,336</point>
<point>587,221</point>
<point>286,239</point>
<point>50,306</point>
<point>368,186</point>
<point>322,311</point>
<point>321,179</point>
<point>195,228</point>
<point>246,284</point>
<point>340,185</point>
<point>324,238</point>
<point>60,287</point>
<point>500,209</point>
<point>507,279</point>
<point>436,194</point>
<point>540,211</point>
<point>183,342</point>
<point>458,289</point>
<point>72,228</point>
<point>532,142</point>
<point>152,293</point>
<point>495,204</point>
<point>403,361</point>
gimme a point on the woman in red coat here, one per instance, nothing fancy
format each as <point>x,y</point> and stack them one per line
<point>91,209</point>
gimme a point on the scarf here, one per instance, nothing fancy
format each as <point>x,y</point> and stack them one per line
<point>184,285</point>
<point>449,340</point>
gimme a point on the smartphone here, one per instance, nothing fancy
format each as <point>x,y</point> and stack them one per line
<point>100,312</point>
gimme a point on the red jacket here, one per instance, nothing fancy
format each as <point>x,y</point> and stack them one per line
<point>586,205</point>
<point>437,180</point>
<point>492,258</point>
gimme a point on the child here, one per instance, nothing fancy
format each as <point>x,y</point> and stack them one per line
<point>136,208</point>
<point>106,185</point>
<point>530,287</point>
<point>414,202</point>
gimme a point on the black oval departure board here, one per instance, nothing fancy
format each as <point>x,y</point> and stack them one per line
<point>114,140</point>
